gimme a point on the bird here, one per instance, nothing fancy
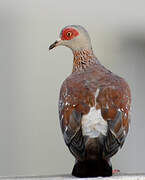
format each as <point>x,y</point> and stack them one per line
<point>94,107</point>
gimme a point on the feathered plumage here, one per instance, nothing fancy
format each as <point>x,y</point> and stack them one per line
<point>94,107</point>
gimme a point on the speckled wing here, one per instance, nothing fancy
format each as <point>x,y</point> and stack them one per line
<point>115,107</point>
<point>78,95</point>
<point>70,121</point>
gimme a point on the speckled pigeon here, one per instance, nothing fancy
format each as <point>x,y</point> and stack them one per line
<point>94,107</point>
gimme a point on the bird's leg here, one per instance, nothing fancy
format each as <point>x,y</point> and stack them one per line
<point>115,171</point>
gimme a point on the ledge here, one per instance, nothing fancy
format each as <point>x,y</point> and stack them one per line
<point>69,177</point>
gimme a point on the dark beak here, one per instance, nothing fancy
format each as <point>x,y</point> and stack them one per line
<point>56,43</point>
<point>53,45</point>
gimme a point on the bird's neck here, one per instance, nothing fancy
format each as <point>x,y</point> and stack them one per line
<point>83,59</point>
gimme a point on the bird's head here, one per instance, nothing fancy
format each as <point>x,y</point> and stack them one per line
<point>73,36</point>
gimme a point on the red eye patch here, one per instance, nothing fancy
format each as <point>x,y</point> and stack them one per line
<point>69,33</point>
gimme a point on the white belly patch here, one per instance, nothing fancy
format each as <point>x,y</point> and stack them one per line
<point>93,124</point>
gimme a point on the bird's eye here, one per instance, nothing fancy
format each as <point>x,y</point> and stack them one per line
<point>69,34</point>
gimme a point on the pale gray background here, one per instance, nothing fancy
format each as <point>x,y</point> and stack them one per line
<point>30,78</point>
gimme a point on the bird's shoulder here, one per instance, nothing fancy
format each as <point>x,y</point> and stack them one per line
<point>80,85</point>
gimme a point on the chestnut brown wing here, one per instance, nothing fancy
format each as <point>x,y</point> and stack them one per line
<point>70,116</point>
<point>115,106</point>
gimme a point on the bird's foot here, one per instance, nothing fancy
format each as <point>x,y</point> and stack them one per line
<point>115,171</point>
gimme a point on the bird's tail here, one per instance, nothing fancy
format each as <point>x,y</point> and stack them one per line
<point>92,168</point>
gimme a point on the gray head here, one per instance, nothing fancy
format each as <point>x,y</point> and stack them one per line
<point>73,36</point>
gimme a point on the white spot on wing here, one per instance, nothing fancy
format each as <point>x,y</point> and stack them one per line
<point>93,123</point>
<point>125,115</point>
<point>107,106</point>
<point>97,93</point>
<point>66,128</point>
<point>119,110</point>
<point>67,104</point>
<point>62,117</point>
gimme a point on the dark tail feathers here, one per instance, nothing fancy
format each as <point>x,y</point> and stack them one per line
<point>91,168</point>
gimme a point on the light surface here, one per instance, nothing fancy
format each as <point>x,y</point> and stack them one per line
<point>69,177</point>
<point>30,78</point>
